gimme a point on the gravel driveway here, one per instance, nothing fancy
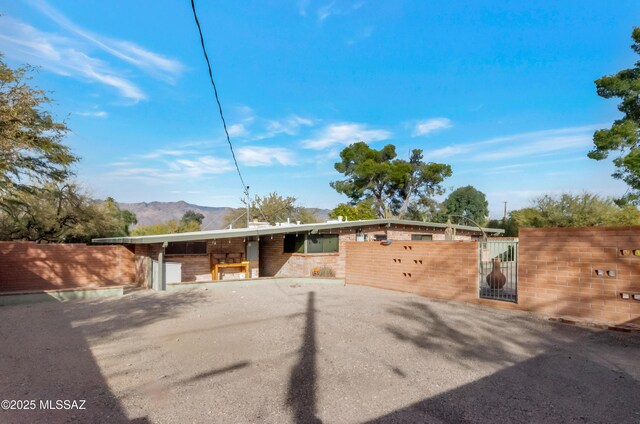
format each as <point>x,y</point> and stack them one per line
<point>304,352</point>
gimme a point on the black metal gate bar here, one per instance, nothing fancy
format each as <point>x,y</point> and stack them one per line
<point>498,270</point>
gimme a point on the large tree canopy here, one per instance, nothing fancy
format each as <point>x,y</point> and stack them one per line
<point>623,136</point>
<point>391,183</point>
<point>60,212</point>
<point>38,200</point>
<point>31,148</point>
<point>468,202</point>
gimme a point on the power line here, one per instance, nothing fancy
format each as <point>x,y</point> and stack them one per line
<point>215,90</point>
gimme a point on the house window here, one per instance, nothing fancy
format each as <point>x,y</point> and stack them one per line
<point>313,243</point>
<point>322,243</point>
<point>187,248</point>
<point>380,237</point>
<point>293,243</point>
<point>421,237</point>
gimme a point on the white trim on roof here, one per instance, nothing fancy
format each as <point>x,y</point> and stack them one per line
<point>284,229</point>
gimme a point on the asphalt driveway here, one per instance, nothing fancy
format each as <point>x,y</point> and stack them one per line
<point>304,352</point>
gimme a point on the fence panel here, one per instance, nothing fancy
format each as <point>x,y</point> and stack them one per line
<point>498,270</point>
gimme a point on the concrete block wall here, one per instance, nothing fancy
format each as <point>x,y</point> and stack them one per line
<point>26,266</point>
<point>580,273</point>
<point>441,270</point>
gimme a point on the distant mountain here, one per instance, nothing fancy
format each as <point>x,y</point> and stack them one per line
<point>149,213</point>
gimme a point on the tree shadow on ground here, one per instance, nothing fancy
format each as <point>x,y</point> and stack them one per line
<point>46,354</point>
<point>491,339</point>
<point>550,373</point>
<point>560,386</point>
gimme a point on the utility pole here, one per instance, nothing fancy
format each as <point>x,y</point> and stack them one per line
<point>504,220</point>
<point>248,207</point>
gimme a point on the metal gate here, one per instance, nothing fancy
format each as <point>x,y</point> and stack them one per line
<point>498,270</point>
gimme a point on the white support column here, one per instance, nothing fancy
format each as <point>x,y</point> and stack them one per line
<point>162,281</point>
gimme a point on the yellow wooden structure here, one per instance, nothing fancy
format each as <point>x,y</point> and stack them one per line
<point>244,267</point>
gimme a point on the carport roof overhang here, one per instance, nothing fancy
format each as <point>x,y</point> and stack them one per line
<point>284,229</point>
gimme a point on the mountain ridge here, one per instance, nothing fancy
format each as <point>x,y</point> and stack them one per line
<point>156,212</point>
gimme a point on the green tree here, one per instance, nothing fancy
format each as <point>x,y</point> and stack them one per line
<point>391,183</point>
<point>360,211</point>
<point>168,227</point>
<point>31,148</point>
<point>583,210</point>
<point>123,217</point>
<point>271,208</point>
<point>510,227</point>
<point>623,136</point>
<point>427,210</point>
<point>468,202</point>
<point>60,212</point>
<point>191,215</point>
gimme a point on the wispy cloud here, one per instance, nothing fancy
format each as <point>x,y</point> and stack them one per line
<point>170,170</point>
<point>265,156</point>
<point>163,153</point>
<point>237,130</point>
<point>289,126</point>
<point>250,127</point>
<point>344,134</point>
<point>537,143</point>
<point>428,126</point>
<point>60,55</point>
<point>72,55</point>
<point>206,165</point>
<point>327,10</point>
<point>95,114</point>
<point>148,61</point>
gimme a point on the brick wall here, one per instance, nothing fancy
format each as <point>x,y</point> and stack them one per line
<point>275,263</point>
<point>142,260</point>
<point>28,266</point>
<point>577,273</point>
<point>441,270</point>
<point>558,273</point>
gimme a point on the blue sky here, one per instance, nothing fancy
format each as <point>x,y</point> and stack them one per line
<point>501,90</point>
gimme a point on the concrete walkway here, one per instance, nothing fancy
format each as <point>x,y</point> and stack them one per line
<point>302,352</point>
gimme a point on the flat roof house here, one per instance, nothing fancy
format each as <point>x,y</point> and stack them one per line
<point>281,250</point>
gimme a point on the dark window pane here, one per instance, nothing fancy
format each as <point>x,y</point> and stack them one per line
<point>421,237</point>
<point>381,237</point>
<point>293,243</point>
<point>187,248</point>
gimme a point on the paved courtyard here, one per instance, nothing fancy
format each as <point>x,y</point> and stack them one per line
<point>306,352</point>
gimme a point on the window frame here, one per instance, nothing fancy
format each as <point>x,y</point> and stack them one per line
<point>325,241</point>
<point>186,252</point>
<point>421,237</point>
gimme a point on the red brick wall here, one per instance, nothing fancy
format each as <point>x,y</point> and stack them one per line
<point>142,260</point>
<point>557,276</point>
<point>35,267</point>
<point>441,270</point>
<point>557,273</point>
<point>275,263</point>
